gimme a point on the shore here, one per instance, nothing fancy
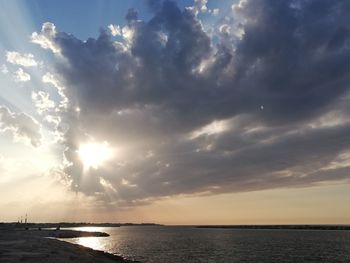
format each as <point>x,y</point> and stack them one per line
<point>34,246</point>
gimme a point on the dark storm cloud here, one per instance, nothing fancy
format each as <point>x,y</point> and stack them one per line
<point>288,57</point>
<point>263,107</point>
<point>298,159</point>
<point>156,71</point>
<point>132,15</point>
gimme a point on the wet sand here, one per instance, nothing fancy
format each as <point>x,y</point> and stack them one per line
<point>19,245</point>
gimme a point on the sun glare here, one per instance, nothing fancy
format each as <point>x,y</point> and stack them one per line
<point>93,155</point>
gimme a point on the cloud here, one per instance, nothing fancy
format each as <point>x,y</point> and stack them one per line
<point>193,100</point>
<point>132,15</point>
<point>215,11</point>
<point>200,6</point>
<point>46,37</point>
<point>42,101</point>
<point>53,80</point>
<point>22,126</point>
<point>21,76</point>
<point>4,69</point>
<point>25,60</point>
<point>115,30</point>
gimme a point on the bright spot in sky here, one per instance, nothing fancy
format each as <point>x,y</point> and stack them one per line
<point>94,155</point>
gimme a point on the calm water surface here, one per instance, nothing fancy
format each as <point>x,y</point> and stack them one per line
<point>187,244</point>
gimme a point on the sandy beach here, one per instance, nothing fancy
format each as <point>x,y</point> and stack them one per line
<point>34,246</point>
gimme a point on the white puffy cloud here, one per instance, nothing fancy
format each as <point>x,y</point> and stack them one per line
<point>50,78</point>
<point>25,60</point>
<point>115,30</point>
<point>42,101</point>
<point>200,6</point>
<point>23,127</point>
<point>21,76</point>
<point>45,38</point>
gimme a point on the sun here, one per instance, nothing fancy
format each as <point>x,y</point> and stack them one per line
<point>93,155</point>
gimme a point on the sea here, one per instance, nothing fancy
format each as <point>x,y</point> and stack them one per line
<point>157,244</point>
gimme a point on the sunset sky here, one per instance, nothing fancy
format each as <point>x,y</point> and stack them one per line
<point>175,112</point>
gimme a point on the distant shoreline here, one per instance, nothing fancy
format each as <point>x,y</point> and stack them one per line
<point>282,227</point>
<point>62,225</point>
<point>72,224</point>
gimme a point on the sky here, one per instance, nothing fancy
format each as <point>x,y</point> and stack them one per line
<point>175,112</point>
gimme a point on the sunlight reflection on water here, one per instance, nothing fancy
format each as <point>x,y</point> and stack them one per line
<point>89,229</point>
<point>97,243</point>
<point>92,242</point>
